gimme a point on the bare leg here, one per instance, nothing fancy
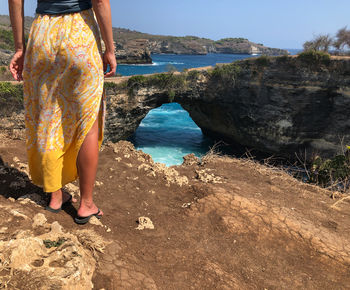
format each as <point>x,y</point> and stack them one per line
<point>87,166</point>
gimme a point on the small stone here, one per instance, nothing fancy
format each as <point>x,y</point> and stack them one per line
<point>95,221</point>
<point>98,183</point>
<point>108,230</point>
<point>18,214</point>
<point>56,228</point>
<point>118,159</point>
<point>39,220</point>
<point>3,230</point>
<point>72,188</point>
<point>15,159</point>
<point>145,223</point>
<point>190,159</point>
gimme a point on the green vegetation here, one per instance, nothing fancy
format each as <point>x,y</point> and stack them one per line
<point>10,93</point>
<point>263,60</point>
<point>193,75</point>
<point>226,74</point>
<point>236,40</point>
<point>6,39</point>
<point>282,58</point>
<point>168,82</point>
<point>314,58</point>
<point>331,172</point>
<point>54,244</point>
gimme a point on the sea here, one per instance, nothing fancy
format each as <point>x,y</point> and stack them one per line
<point>168,133</point>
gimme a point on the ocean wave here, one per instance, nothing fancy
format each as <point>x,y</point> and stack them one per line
<point>158,63</point>
<point>166,111</point>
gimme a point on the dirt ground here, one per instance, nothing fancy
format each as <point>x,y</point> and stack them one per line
<point>218,223</point>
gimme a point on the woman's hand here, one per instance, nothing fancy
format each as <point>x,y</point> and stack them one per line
<point>16,65</point>
<point>109,59</point>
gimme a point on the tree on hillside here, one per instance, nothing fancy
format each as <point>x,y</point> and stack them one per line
<point>319,43</point>
<point>342,40</point>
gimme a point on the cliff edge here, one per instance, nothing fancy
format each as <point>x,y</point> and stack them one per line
<point>214,223</point>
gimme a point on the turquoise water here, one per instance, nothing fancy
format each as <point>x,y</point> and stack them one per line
<point>168,133</point>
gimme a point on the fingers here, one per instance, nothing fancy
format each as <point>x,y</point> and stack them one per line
<point>16,66</point>
<point>111,73</point>
<point>13,70</point>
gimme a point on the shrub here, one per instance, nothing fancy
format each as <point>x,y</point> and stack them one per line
<point>11,93</point>
<point>262,61</point>
<point>319,43</point>
<point>226,73</point>
<point>314,58</point>
<point>193,75</point>
<point>6,39</point>
<point>163,81</point>
<point>330,172</point>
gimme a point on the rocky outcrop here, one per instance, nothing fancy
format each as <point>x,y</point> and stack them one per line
<point>133,52</point>
<point>275,105</point>
<point>281,106</point>
<point>177,47</point>
<point>244,46</point>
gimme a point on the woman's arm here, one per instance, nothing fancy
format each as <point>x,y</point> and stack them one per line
<point>16,8</point>
<point>102,10</point>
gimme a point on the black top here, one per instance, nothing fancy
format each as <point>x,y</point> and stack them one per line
<point>62,6</point>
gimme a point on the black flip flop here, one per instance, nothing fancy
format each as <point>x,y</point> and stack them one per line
<point>49,208</point>
<point>83,220</point>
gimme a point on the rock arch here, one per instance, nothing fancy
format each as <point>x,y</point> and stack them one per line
<point>279,105</point>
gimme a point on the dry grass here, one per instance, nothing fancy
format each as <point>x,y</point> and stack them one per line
<point>4,268</point>
<point>92,241</point>
<point>213,153</point>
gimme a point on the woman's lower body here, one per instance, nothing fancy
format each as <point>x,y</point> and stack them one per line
<point>63,99</point>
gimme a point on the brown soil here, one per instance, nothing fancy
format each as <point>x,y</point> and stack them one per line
<point>221,223</point>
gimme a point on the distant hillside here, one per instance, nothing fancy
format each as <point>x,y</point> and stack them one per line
<point>136,47</point>
<point>193,44</point>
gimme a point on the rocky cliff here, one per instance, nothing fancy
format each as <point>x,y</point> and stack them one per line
<point>277,105</point>
<point>133,52</point>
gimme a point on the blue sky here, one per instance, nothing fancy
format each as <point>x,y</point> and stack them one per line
<point>275,23</point>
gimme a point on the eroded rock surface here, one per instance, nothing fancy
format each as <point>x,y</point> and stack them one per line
<point>234,224</point>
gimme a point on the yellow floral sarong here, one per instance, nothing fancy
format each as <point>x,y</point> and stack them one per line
<point>63,94</point>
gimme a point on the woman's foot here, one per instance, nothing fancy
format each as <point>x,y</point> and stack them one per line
<point>87,209</point>
<point>83,220</point>
<point>58,199</point>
